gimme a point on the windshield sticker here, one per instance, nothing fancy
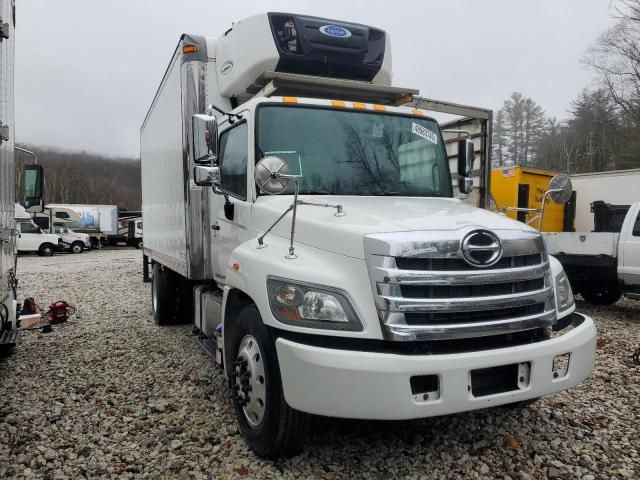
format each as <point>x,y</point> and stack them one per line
<point>424,132</point>
<point>377,130</point>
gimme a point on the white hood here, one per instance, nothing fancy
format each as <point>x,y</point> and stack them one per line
<point>319,227</point>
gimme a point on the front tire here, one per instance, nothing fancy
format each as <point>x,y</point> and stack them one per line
<point>45,250</point>
<point>163,295</point>
<point>270,427</point>
<point>77,247</point>
<point>139,244</point>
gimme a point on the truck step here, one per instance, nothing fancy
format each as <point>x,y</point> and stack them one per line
<point>8,340</point>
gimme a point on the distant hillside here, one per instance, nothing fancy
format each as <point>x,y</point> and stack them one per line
<point>82,177</point>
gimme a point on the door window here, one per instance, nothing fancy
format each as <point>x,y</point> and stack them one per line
<point>28,228</point>
<point>234,153</point>
<point>636,226</point>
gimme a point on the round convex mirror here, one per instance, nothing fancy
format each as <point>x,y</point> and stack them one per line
<point>561,184</point>
<point>269,175</point>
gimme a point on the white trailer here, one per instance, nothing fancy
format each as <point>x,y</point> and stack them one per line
<point>300,212</point>
<point>617,187</point>
<point>33,182</point>
<point>98,221</point>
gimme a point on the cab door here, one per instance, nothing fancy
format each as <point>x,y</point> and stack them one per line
<point>230,222</point>
<point>629,257</point>
<point>29,237</point>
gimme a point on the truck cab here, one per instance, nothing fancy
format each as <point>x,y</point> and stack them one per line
<point>303,214</point>
<point>74,242</point>
<point>602,266</point>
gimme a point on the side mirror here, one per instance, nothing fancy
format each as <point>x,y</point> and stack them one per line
<point>33,188</point>
<point>560,189</point>
<point>272,175</point>
<point>465,165</point>
<point>205,138</point>
<point>205,176</point>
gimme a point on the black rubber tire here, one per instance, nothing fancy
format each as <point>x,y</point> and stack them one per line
<point>163,295</point>
<point>77,247</point>
<point>45,250</point>
<point>606,294</point>
<point>184,308</point>
<point>139,244</point>
<point>282,428</point>
<point>95,243</point>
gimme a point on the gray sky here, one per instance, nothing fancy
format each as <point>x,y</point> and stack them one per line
<point>86,71</point>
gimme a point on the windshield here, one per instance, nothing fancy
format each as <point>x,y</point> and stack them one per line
<point>342,152</point>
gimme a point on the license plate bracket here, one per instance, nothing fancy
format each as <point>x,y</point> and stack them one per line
<point>500,379</point>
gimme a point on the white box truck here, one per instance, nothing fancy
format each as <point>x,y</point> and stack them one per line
<point>98,221</point>
<point>33,183</point>
<point>301,213</point>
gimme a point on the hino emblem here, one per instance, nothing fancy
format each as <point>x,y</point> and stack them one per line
<point>481,248</point>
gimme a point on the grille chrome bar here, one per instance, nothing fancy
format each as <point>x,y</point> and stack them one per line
<point>457,300</point>
<point>468,330</point>
<point>461,277</point>
<point>471,304</point>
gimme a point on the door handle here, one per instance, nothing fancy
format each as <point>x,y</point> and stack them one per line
<point>215,227</point>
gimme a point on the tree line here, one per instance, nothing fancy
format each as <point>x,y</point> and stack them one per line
<point>85,178</point>
<point>602,131</point>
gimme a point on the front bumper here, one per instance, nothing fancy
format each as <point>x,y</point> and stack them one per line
<point>372,385</point>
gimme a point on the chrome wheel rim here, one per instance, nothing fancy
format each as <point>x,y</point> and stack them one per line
<point>251,380</point>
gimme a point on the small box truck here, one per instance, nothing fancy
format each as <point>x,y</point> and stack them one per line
<point>301,212</point>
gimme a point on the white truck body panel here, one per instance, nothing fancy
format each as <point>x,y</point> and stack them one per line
<point>585,243</point>
<point>163,200</point>
<point>7,165</point>
<point>619,187</point>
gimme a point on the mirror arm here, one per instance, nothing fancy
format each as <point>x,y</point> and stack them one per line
<point>261,237</point>
<point>238,116</point>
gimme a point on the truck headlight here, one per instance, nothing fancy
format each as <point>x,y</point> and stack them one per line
<point>564,295</point>
<point>311,306</point>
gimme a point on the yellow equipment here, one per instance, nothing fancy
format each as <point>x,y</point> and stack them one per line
<point>525,187</point>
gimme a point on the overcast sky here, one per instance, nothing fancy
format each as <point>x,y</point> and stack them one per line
<point>86,70</point>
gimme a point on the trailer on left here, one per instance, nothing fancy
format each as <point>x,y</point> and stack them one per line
<point>33,181</point>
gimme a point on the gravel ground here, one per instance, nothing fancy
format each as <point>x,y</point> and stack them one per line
<point>111,395</point>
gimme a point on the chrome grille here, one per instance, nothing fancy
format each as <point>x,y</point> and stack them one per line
<point>425,290</point>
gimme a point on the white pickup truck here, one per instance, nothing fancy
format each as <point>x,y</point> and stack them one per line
<point>301,212</point>
<point>602,266</point>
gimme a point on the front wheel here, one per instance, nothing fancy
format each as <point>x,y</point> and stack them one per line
<point>270,427</point>
<point>45,250</point>
<point>606,294</point>
<point>139,244</point>
<point>76,247</point>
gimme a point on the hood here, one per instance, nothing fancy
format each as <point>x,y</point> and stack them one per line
<point>320,228</point>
